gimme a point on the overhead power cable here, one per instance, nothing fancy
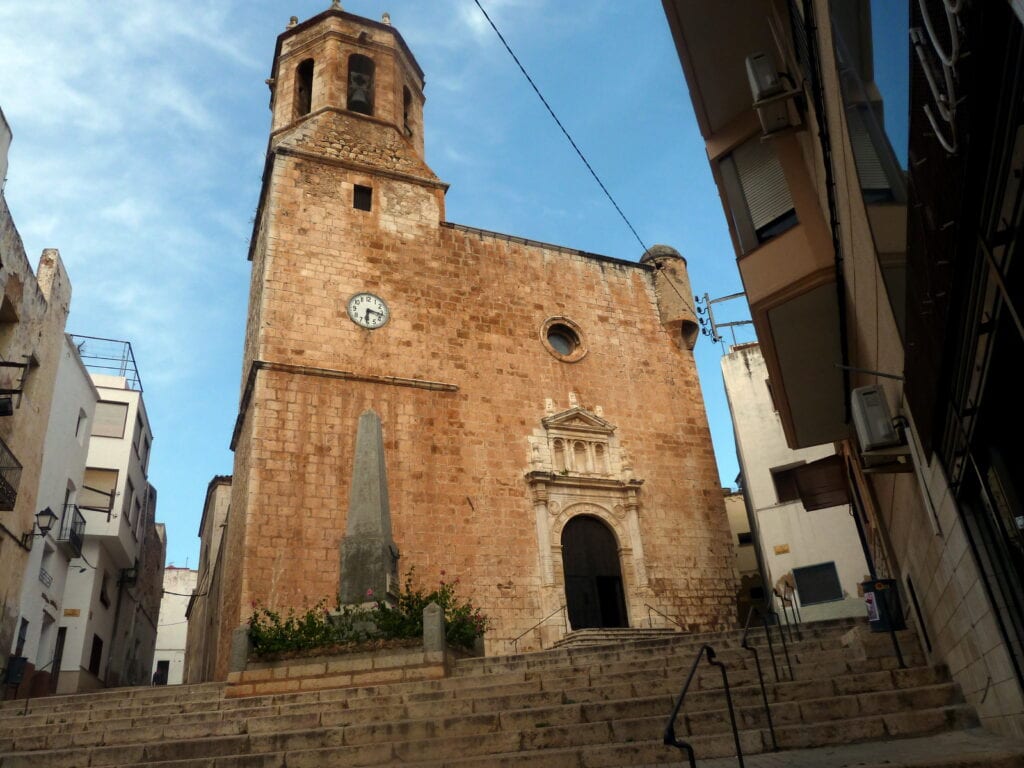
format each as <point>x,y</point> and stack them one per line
<point>559,123</point>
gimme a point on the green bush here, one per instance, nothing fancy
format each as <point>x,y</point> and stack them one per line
<point>350,627</point>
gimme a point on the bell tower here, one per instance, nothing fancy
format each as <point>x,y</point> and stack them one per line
<point>339,61</point>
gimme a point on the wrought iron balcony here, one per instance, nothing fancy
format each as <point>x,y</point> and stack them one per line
<point>72,529</point>
<point>10,476</point>
<point>45,577</point>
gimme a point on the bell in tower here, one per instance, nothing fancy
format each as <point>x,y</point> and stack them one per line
<point>360,84</point>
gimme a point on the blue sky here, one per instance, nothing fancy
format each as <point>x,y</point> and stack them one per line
<point>140,129</point>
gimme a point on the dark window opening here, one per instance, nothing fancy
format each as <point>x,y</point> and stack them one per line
<point>360,84</point>
<point>96,655</point>
<point>362,198</point>
<point>785,483</point>
<point>745,538</point>
<point>104,595</point>
<point>406,110</point>
<point>304,88</point>
<point>818,584</point>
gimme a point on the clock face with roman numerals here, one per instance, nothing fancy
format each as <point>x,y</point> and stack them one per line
<point>368,311</point>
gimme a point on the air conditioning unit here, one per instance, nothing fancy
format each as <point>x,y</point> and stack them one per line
<point>770,95</point>
<point>872,419</point>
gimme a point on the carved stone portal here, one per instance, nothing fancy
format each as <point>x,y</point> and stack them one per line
<point>578,467</point>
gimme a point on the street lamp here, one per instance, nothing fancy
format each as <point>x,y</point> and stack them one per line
<point>44,522</point>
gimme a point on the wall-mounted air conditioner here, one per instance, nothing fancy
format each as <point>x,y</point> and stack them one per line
<point>872,419</point>
<point>770,95</point>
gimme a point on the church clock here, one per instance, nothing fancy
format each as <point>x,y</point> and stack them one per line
<point>368,310</point>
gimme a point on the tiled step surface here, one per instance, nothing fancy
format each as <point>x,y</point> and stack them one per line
<point>585,706</point>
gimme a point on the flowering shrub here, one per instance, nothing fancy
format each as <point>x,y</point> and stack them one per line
<point>351,628</point>
<point>463,622</point>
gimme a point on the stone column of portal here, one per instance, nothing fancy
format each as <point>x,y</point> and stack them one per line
<point>369,557</point>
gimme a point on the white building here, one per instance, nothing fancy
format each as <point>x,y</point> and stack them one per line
<point>815,547</point>
<point>60,481</point>
<point>111,608</point>
<point>172,632</point>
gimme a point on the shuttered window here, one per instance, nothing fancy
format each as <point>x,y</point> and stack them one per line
<point>110,419</point>
<point>764,186</point>
<point>98,489</point>
<point>870,170</point>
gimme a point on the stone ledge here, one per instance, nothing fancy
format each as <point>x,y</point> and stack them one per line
<point>389,665</point>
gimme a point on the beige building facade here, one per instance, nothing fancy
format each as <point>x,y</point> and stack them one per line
<point>866,270</point>
<point>33,310</point>
<point>202,611</point>
<point>544,431</point>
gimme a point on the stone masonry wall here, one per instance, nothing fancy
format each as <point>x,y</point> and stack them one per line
<point>467,310</point>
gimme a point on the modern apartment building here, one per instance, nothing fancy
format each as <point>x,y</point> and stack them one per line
<point>66,448</point>
<point>888,263</point>
<point>111,607</point>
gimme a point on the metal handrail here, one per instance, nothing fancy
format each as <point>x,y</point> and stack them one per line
<point>785,599</point>
<point>650,622</point>
<point>670,738</point>
<point>560,609</point>
<point>745,644</point>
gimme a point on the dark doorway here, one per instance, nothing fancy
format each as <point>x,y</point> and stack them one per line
<point>58,657</point>
<point>593,580</point>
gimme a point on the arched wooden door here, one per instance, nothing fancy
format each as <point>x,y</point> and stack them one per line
<point>593,578</point>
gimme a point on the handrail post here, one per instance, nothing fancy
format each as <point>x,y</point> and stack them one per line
<point>771,646</point>
<point>760,675</point>
<point>669,737</point>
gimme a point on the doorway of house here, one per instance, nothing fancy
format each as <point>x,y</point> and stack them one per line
<point>593,578</point>
<point>58,657</point>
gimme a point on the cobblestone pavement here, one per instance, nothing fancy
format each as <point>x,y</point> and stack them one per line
<point>944,750</point>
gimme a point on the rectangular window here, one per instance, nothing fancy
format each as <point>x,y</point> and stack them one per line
<point>98,489</point>
<point>362,198</point>
<point>104,594</point>
<point>136,434</point>
<point>82,418</point>
<point>757,192</point>
<point>10,478</point>
<point>817,584</point>
<point>96,655</point>
<point>110,419</point>
<point>745,538</point>
<point>129,498</point>
<point>784,479</point>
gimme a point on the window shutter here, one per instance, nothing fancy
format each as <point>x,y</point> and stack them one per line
<point>822,483</point>
<point>763,182</point>
<point>865,154</point>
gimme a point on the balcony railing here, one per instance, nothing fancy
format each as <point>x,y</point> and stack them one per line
<point>72,529</point>
<point>45,577</point>
<point>10,476</point>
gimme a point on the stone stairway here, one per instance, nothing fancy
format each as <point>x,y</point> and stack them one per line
<point>584,707</point>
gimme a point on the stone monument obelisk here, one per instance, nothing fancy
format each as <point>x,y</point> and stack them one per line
<point>369,557</point>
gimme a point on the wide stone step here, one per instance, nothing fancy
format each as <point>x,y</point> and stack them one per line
<point>655,670</point>
<point>515,693</point>
<point>532,716</point>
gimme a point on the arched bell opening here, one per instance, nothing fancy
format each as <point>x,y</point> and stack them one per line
<point>360,84</point>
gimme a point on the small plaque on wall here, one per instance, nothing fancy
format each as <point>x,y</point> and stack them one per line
<point>781,549</point>
<point>72,611</point>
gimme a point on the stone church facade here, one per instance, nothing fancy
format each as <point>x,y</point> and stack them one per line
<point>544,431</point>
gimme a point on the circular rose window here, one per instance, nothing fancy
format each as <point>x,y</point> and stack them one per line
<point>563,339</point>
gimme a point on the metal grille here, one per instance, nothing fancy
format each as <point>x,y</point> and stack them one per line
<point>10,476</point>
